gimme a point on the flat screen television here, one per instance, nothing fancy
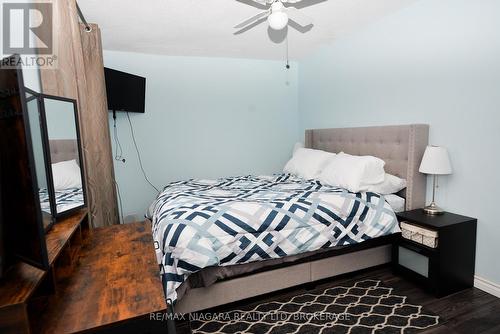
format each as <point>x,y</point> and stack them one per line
<point>125,91</point>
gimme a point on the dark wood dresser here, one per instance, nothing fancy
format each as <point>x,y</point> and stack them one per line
<point>114,287</point>
<point>24,286</point>
<point>104,280</point>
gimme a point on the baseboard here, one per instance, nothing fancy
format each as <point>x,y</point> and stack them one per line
<point>487,286</point>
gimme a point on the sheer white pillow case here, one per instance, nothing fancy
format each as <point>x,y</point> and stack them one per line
<point>66,174</point>
<point>354,173</point>
<point>391,185</point>
<point>397,203</point>
<point>308,163</point>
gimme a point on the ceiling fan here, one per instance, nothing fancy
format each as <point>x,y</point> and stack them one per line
<point>277,15</point>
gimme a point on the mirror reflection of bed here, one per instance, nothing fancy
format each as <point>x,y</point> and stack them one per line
<point>64,156</point>
<point>66,174</point>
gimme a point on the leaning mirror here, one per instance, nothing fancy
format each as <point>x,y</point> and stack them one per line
<point>61,119</point>
<point>36,126</point>
<point>22,235</point>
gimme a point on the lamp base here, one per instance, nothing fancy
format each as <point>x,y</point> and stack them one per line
<point>433,210</point>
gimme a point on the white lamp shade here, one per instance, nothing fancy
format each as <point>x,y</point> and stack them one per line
<point>436,161</point>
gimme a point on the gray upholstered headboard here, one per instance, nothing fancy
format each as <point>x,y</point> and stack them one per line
<point>63,150</point>
<point>400,146</point>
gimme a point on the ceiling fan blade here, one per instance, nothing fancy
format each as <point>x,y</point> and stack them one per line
<point>299,4</point>
<point>253,19</point>
<point>261,4</point>
<point>295,15</point>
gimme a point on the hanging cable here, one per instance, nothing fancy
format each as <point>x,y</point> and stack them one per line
<point>118,146</point>
<point>139,154</point>
<point>118,157</point>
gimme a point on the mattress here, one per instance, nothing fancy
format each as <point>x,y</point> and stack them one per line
<point>199,224</point>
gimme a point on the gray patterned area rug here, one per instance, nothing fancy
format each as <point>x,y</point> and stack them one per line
<point>365,307</point>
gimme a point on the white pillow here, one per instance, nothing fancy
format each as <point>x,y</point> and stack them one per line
<point>66,174</point>
<point>354,173</point>
<point>391,185</point>
<point>308,163</point>
<point>397,203</point>
<point>297,146</point>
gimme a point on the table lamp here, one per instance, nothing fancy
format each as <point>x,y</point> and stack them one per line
<point>435,162</point>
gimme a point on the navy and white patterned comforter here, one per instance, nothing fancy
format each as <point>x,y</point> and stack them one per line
<point>202,223</point>
<point>66,199</point>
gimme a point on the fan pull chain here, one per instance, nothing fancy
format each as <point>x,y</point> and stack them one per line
<point>287,66</point>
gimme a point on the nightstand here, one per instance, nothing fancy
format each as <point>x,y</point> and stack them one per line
<point>443,265</point>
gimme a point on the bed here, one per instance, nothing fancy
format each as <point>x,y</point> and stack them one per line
<point>218,240</point>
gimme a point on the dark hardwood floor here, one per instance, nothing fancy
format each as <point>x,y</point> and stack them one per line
<point>471,311</point>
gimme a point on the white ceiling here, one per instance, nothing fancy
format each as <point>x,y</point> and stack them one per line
<point>205,27</point>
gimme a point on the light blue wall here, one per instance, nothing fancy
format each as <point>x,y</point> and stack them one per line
<point>436,62</point>
<point>205,117</point>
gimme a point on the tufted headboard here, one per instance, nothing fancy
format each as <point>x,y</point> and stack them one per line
<point>63,150</point>
<point>400,146</point>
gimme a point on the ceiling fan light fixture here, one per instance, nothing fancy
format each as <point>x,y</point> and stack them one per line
<point>278,20</point>
<point>277,15</point>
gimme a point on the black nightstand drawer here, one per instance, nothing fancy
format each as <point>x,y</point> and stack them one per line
<point>447,268</point>
<point>414,261</point>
